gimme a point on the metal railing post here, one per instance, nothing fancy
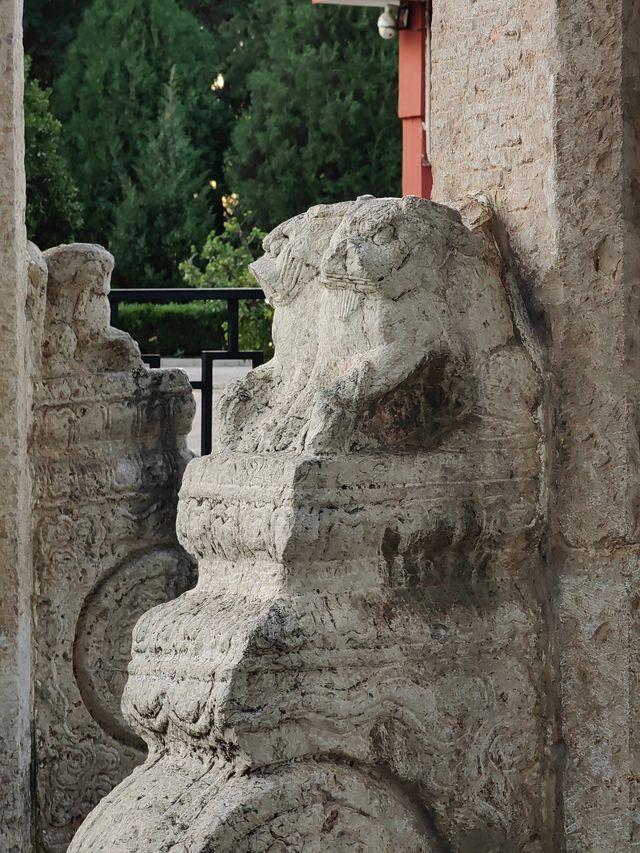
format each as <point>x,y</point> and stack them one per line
<point>233,313</point>
<point>151,360</point>
<point>232,296</point>
<point>206,423</point>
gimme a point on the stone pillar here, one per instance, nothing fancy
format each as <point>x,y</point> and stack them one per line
<point>15,494</point>
<point>362,665</point>
<point>537,105</point>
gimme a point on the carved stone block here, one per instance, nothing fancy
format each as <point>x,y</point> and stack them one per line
<point>361,665</point>
<point>108,452</point>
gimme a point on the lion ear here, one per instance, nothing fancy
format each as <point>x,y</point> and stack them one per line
<point>414,203</point>
<point>321,213</point>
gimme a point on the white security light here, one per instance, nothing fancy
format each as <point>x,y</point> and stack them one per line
<point>388,22</point>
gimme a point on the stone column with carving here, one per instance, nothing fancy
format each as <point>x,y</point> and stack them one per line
<point>362,664</point>
<point>108,451</point>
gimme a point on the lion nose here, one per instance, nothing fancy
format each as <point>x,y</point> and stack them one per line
<point>334,261</point>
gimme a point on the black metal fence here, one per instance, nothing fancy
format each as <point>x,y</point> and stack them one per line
<point>233,297</point>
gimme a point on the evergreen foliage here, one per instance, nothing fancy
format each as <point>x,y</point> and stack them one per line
<point>212,13</point>
<point>175,328</point>
<point>321,123</point>
<point>306,114</point>
<point>187,328</point>
<point>240,42</point>
<point>51,25</point>
<point>224,261</point>
<point>112,101</point>
<point>166,206</point>
<point>49,28</point>
<point>53,212</point>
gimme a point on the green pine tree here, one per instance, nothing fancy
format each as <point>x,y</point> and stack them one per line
<point>240,42</point>
<point>165,207</point>
<point>110,97</point>
<point>321,124</point>
<point>49,27</point>
<point>54,214</point>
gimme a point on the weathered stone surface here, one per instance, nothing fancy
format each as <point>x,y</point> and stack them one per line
<point>537,105</point>
<point>492,66</point>
<point>15,389</point>
<point>249,416</point>
<point>107,452</point>
<point>362,663</point>
<point>416,625</point>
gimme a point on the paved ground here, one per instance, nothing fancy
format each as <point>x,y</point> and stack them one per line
<point>223,372</point>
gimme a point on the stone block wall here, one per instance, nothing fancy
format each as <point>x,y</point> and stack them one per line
<point>492,64</point>
<point>535,106</point>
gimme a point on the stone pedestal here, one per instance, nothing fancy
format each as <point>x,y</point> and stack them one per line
<point>362,665</point>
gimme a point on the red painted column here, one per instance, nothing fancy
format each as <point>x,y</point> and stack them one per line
<point>416,169</point>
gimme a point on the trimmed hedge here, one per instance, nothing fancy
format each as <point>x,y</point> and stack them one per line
<point>185,329</point>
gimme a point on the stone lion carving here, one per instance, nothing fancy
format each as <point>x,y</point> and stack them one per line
<point>256,412</point>
<point>361,663</point>
<point>367,308</point>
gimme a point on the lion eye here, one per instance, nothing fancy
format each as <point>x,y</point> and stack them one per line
<point>385,235</point>
<point>274,244</point>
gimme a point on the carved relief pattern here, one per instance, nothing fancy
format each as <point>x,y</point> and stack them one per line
<point>108,452</point>
<point>361,664</point>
